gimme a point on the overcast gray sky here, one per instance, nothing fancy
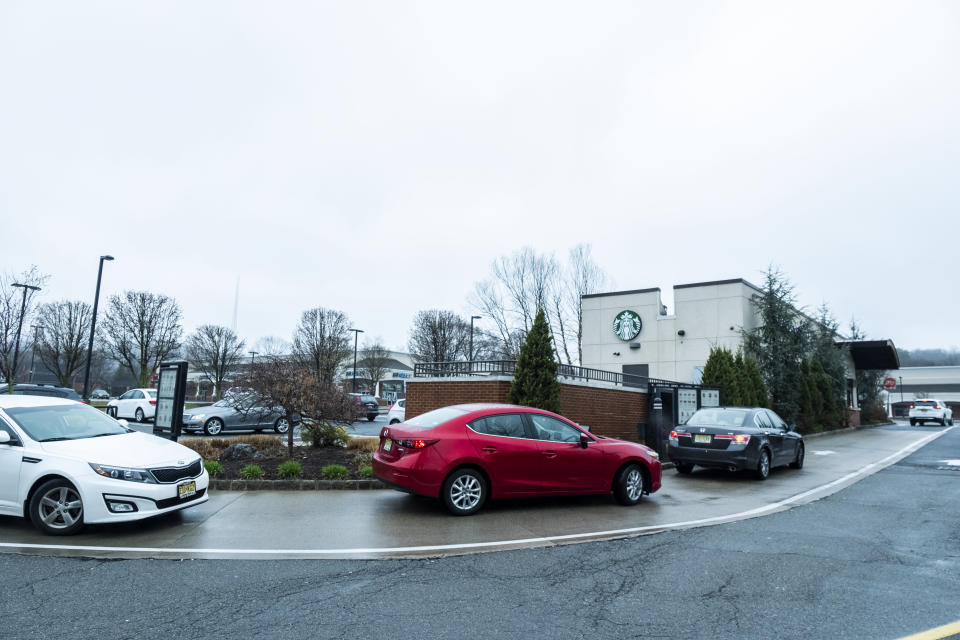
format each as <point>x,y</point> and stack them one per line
<point>375,157</point>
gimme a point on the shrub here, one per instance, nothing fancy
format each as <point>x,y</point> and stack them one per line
<point>368,445</point>
<point>335,472</point>
<point>213,467</point>
<point>211,448</point>
<point>362,459</point>
<point>252,472</point>
<point>366,472</point>
<point>290,469</point>
<point>324,434</point>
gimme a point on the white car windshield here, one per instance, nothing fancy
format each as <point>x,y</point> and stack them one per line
<point>64,422</point>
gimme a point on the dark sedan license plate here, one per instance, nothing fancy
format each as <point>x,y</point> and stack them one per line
<point>186,490</point>
<point>701,439</point>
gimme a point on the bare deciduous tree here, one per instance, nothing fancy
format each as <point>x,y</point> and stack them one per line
<point>141,329</point>
<point>525,282</point>
<point>321,342</point>
<point>64,331</point>
<point>216,351</point>
<point>375,362</point>
<point>14,315</point>
<point>272,346</point>
<point>439,336</point>
<point>293,387</point>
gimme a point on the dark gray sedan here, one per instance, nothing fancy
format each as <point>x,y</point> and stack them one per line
<point>230,414</point>
<point>735,438</point>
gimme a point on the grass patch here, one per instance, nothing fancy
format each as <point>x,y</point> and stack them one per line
<point>290,469</point>
<point>213,467</point>
<point>368,445</point>
<point>252,472</point>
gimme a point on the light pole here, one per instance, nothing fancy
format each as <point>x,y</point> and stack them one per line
<point>33,351</point>
<point>472,318</point>
<point>901,388</point>
<point>356,336</point>
<point>93,326</point>
<point>16,348</point>
<point>253,358</point>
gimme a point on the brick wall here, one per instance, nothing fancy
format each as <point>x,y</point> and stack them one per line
<point>607,411</point>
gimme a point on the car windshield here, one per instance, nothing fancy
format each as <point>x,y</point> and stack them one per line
<point>152,393</point>
<point>436,417</point>
<point>719,417</point>
<point>64,422</point>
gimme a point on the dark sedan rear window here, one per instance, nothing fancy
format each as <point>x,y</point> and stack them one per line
<point>719,417</point>
<point>367,399</point>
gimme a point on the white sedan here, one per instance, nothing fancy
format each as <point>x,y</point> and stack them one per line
<point>397,412</point>
<point>139,404</point>
<point>64,464</point>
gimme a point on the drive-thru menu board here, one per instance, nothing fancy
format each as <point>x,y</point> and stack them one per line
<point>171,390</point>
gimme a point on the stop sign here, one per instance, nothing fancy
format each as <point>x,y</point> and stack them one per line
<point>890,383</point>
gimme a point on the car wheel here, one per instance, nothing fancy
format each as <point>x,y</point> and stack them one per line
<point>913,422</point>
<point>628,485</point>
<point>371,418</point>
<point>464,492</point>
<point>138,415</point>
<point>763,465</point>
<point>56,508</point>
<point>111,411</point>
<point>213,426</point>
<point>281,425</point>
<point>394,421</point>
<point>684,468</point>
<point>943,422</point>
<point>798,463</point>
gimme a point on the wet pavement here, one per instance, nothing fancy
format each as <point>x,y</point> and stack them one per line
<point>365,524</point>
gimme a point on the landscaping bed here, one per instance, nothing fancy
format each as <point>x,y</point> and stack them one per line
<point>231,459</point>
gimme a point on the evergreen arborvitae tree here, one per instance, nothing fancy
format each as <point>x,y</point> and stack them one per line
<point>721,370</point>
<point>535,382</point>
<point>826,410</point>
<point>757,386</point>
<point>747,397</point>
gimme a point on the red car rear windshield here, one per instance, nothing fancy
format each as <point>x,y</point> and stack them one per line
<point>431,419</point>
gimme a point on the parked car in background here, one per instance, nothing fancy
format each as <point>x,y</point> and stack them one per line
<point>234,414</point>
<point>139,404</point>
<point>99,394</point>
<point>930,410</point>
<point>64,464</point>
<point>367,405</point>
<point>46,390</point>
<point>466,454</point>
<point>735,438</point>
<point>397,412</point>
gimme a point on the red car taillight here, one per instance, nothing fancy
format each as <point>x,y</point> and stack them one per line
<point>416,444</point>
<point>153,402</point>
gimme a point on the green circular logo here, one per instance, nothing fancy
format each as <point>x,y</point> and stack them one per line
<point>627,325</point>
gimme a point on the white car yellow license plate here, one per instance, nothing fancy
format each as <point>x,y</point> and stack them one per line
<point>701,439</point>
<point>387,444</point>
<point>186,490</point>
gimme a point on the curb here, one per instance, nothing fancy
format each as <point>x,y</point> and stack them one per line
<point>295,485</point>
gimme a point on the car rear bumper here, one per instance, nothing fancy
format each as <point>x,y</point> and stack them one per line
<point>403,474</point>
<point>718,458</point>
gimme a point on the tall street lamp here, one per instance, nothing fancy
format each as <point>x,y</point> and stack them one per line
<point>16,348</point>
<point>901,388</point>
<point>93,326</point>
<point>472,318</point>
<point>33,351</point>
<point>356,335</point>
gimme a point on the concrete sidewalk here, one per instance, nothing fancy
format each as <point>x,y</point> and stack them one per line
<point>368,524</point>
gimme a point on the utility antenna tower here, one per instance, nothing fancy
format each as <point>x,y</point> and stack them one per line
<point>236,305</point>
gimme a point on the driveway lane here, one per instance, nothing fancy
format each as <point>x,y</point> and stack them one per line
<point>358,523</point>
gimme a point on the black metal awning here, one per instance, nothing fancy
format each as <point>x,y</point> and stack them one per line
<point>873,354</point>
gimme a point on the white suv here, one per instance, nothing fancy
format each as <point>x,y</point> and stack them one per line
<point>930,410</point>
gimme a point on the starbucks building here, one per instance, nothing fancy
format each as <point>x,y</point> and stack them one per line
<point>631,332</point>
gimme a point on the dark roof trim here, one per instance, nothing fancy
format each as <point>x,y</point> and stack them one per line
<point>620,293</point>
<point>716,282</point>
<point>873,354</point>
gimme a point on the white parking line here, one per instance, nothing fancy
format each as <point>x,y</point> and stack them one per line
<point>523,542</point>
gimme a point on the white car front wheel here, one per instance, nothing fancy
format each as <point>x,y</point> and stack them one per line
<point>56,508</point>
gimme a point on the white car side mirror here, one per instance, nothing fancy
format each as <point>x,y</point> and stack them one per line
<point>4,437</point>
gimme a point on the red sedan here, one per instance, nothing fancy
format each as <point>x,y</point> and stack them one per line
<point>467,453</point>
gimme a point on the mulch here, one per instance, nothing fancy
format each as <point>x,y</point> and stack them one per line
<point>312,460</point>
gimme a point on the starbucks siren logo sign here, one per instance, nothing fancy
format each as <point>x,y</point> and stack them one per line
<point>627,325</point>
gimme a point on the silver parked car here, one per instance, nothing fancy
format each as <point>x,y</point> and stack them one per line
<point>234,414</point>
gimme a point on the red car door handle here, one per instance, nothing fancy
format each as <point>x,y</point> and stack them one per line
<point>550,454</point>
<point>489,449</point>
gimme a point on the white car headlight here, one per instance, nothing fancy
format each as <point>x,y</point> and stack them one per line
<point>123,473</point>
